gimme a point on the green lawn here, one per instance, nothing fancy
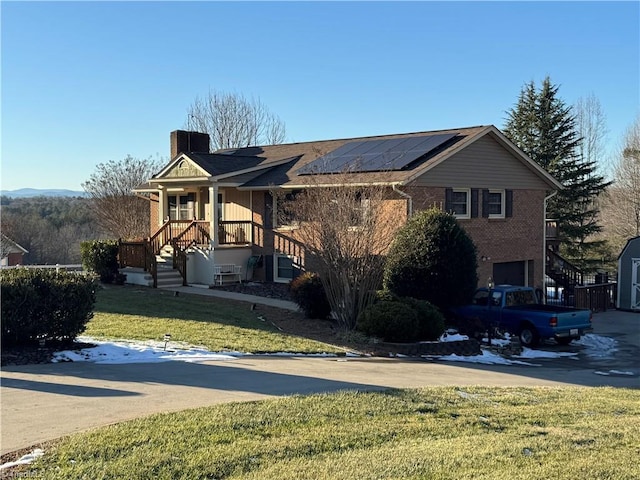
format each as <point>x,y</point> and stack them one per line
<point>219,325</point>
<point>433,433</point>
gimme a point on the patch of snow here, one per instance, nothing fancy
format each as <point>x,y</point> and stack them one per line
<point>122,352</point>
<point>487,358</point>
<point>24,460</point>
<point>621,372</point>
<point>452,337</point>
<point>531,353</point>
<point>614,372</point>
<point>597,346</point>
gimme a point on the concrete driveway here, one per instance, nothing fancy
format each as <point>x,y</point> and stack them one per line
<point>44,402</point>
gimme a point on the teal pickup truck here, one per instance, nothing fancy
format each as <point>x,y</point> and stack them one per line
<point>516,310</point>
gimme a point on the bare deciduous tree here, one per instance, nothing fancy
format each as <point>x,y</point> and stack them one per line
<point>591,124</point>
<point>621,206</point>
<point>233,121</point>
<point>117,210</point>
<point>346,231</point>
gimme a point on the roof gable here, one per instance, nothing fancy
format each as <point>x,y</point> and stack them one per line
<point>181,167</point>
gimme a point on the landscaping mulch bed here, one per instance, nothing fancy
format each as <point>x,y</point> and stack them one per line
<point>260,289</point>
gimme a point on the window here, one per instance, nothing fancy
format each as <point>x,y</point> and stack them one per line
<point>284,268</point>
<point>358,209</point>
<point>284,217</point>
<point>181,207</point>
<point>481,298</point>
<point>460,203</point>
<point>495,204</point>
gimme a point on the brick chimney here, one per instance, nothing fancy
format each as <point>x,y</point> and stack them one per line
<point>185,142</point>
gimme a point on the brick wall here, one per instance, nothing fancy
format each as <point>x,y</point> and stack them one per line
<point>515,239</point>
<point>518,238</point>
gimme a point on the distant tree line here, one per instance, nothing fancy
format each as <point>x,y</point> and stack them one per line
<point>50,228</point>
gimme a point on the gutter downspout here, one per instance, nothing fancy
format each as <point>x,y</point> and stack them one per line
<point>408,197</point>
<point>544,246</point>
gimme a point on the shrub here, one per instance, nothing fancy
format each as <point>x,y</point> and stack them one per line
<point>390,321</point>
<point>432,258</point>
<point>430,320</point>
<point>101,258</point>
<point>307,291</point>
<point>44,304</point>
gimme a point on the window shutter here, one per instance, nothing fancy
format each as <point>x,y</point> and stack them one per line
<point>474,203</point>
<point>448,193</point>
<point>268,210</point>
<point>485,203</point>
<point>508,208</point>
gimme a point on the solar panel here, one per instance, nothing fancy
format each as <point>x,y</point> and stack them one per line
<point>376,155</point>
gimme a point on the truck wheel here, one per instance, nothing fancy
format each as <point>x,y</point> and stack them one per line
<point>529,335</point>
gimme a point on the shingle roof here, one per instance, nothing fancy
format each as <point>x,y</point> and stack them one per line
<point>280,163</point>
<point>219,164</point>
<point>306,152</point>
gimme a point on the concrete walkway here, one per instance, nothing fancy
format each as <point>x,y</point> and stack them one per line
<point>242,297</point>
<point>44,402</point>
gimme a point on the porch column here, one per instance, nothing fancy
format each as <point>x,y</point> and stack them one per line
<point>213,225</point>
<point>162,206</point>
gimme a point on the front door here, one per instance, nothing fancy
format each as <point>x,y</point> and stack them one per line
<point>635,284</point>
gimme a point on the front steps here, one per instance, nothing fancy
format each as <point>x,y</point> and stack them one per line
<point>168,277</point>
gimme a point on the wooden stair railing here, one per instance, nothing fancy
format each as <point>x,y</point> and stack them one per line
<point>138,255</point>
<point>194,234</point>
<point>564,274</point>
<point>180,234</point>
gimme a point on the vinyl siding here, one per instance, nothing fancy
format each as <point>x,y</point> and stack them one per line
<point>237,204</point>
<point>484,164</point>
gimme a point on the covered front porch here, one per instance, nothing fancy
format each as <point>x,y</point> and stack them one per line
<point>195,229</point>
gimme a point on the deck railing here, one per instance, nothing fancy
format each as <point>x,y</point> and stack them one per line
<point>237,232</point>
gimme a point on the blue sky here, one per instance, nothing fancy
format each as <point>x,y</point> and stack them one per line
<point>88,82</point>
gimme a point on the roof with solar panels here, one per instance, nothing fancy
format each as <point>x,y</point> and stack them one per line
<point>396,159</point>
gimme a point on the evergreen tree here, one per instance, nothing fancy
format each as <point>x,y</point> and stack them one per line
<point>544,128</point>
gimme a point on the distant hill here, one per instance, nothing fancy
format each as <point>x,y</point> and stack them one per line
<point>39,192</point>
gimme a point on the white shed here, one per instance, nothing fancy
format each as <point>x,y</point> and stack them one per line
<point>629,276</point>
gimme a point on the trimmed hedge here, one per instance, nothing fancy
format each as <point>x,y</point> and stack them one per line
<point>44,304</point>
<point>101,258</point>
<point>307,291</point>
<point>432,258</point>
<point>390,321</point>
<point>384,319</point>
